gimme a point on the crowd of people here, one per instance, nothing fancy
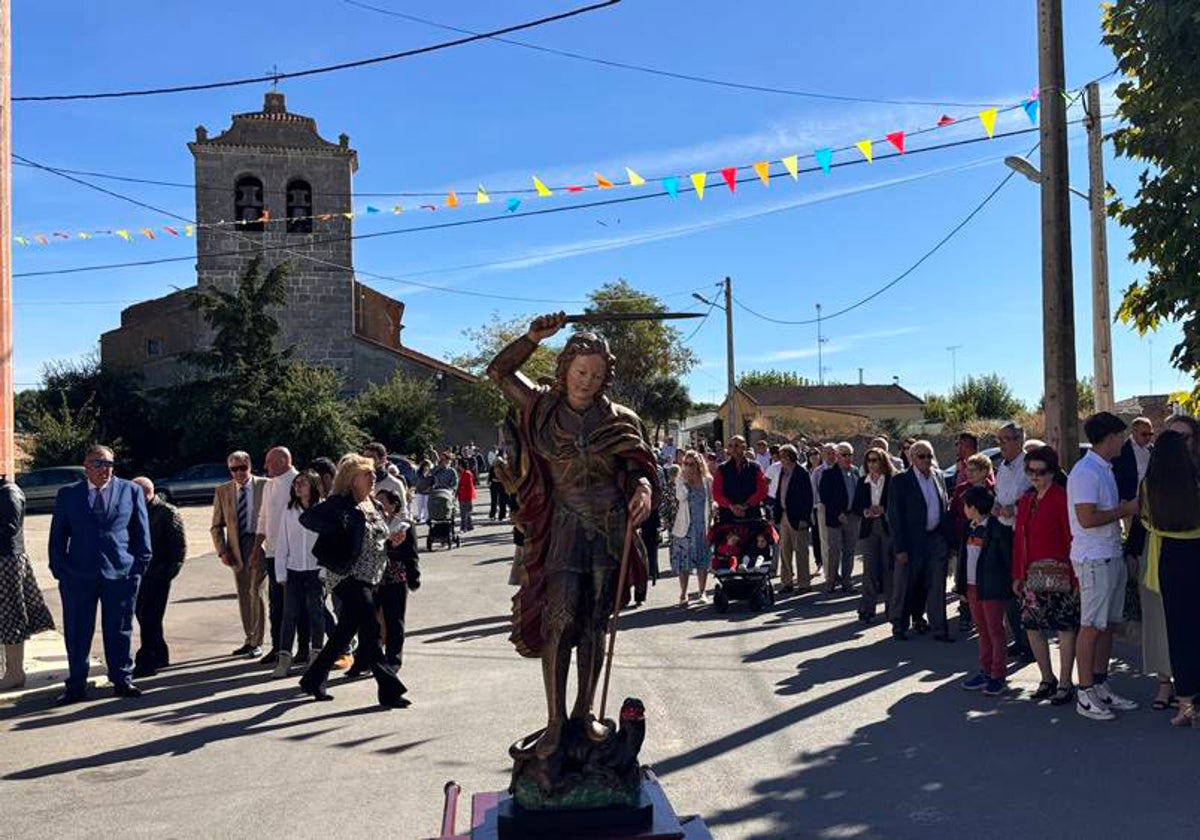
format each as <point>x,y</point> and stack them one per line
<point>1030,552</point>
<point>323,558</point>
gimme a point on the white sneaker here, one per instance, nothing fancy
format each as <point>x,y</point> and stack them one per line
<point>1089,705</point>
<point>703,599</point>
<point>1114,701</point>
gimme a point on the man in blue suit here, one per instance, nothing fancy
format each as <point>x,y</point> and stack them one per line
<point>99,548</point>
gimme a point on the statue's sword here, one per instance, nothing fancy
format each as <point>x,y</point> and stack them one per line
<point>616,317</point>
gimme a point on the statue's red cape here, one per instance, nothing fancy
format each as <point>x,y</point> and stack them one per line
<point>621,435</point>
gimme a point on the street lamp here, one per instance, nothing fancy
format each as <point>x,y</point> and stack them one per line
<point>1101,315</point>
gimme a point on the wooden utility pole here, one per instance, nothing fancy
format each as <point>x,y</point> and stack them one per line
<point>1101,314</point>
<point>7,444</point>
<point>731,400</point>
<point>1058,299</point>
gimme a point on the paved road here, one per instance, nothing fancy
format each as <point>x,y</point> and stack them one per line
<point>795,723</point>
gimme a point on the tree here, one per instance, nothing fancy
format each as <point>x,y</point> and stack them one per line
<point>1157,46</point>
<point>305,412</point>
<point>483,399</point>
<point>666,399</point>
<point>983,397</point>
<point>62,434</point>
<point>400,413</point>
<point>771,379</point>
<point>645,350</point>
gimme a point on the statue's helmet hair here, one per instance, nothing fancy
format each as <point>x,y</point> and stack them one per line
<point>585,344</point>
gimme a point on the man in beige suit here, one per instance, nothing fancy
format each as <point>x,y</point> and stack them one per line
<point>235,516</point>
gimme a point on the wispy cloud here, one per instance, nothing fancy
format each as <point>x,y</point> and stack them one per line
<point>840,345</point>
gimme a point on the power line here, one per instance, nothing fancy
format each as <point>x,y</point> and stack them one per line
<point>505,217</point>
<point>275,78</point>
<point>953,231</point>
<point>687,77</point>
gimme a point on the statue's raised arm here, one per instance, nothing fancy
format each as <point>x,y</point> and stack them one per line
<point>505,369</point>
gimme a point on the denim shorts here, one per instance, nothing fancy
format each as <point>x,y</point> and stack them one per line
<point>1101,591</point>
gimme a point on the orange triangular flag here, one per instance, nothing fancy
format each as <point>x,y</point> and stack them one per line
<point>864,146</point>
<point>452,199</point>
<point>602,182</point>
<point>792,163</point>
<point>763,170</point>
<point>699,180</point>
<point>896,138</point>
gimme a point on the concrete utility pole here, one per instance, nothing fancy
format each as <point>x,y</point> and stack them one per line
<point>820,350</point>
<point>1058,300</point>
<point>7,444</point>
<point>1101,315</point>
<point>730,402</point>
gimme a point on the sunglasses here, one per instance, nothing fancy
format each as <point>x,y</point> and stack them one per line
<point>239,468</point>
<point>100,463</point>
<point>1037,473</point>
<point>922,456</point>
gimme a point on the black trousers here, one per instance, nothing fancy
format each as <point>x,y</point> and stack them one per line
<point>150,608</point>
<point>392,598</point>
<point>499,506</point>
<point>357,616</point>
<point>303,611</point>
<point>274,603</point>
<point>1179,579</point>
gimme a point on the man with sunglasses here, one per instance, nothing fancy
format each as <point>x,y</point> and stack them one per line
<point>919,522</point>
<point>236,506</point>
<point>99,549</point>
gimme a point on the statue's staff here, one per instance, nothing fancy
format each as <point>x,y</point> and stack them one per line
<point>622,577</point>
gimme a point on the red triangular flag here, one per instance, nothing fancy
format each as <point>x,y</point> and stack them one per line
<point>945,120</point>
<point>896,138</point>
<point>574,188</point>
<point>729,173</point>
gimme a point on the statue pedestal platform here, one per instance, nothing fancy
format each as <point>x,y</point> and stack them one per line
<point>494,816</point>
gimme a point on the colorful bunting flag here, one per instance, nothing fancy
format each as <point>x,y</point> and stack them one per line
<point>988,118</point>
<point>824,159</point>
<point>21,240</point>
<point>896,138</point>
<point>349,215</point>
<point>574,188</point>
<point>945,120</point>
<point>58,234</point>
<point>792,164</point>
<point>1031,110</point>
<point>171,231</point>
<point>397,209</point>
<point>481,196</point>
<point>371,209</point>
<point>699,182</point>
<point>429,207</point>
<point>671,185</point>
<point>41,239</point>
<point>541,188</point>
<point>729,173</point>
<point>512,205</point>
<point>124,234</point>
<point>635,180</point>
<point>864,146</point>
<point>452,199</point>
<point>187,230</point>
<point>146,232</point>
<point>602,182</point>
<point>763,170</point>
<point>85,235</point>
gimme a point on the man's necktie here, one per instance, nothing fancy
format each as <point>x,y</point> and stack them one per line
<point>98,508</point>
<point>243,512</point>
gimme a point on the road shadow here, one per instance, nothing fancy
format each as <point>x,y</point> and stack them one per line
<point>441,629</point>
<point>201,599</point>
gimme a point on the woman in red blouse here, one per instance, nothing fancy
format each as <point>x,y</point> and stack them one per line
<point>466,496</point>
<point>1042,576</point>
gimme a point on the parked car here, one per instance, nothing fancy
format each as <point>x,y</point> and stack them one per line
<point>993,452</point>
<point>41,486</point>
<point>195,484</point>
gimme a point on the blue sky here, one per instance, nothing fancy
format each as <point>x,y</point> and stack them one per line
<point>496,114</point>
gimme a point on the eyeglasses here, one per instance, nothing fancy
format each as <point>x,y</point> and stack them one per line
<point>239,468</point>
<point>1037,473</point>
<point>102,463</point>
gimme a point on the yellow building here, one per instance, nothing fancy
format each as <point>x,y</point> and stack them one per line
<point>823,409</point>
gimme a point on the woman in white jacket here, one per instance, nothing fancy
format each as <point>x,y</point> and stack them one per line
<point>297,569</point>
<point>689,535</point>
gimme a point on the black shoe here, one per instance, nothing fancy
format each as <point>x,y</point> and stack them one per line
<point>245,650</point>
<point>920,627</point>
<point>942,637</point>
<point>126,689</point>
<point>140,671</point>
<point>269,658</point>
<point>317,692</point>
<point>899,635</point>
<point>392,662</point>
<point>302,658</point>
<point>69,697</point>
<point>964,623</point>
<point>395,702</point>
<point>787,590</point>
<point>357,671</point>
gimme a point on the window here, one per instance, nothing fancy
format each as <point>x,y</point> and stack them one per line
<point>248,203</point>
<point>153,346</point>
<point>299,207</point>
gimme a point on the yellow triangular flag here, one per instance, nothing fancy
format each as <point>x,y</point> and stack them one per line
<point>124,234</point>
<point>764,172</point>
<point>481,196</point>
<point>864,146</point>
<point>792,162</point>
<point>541,188</point>
<point>602,182</point>
<point>452,199</point>
<point>988,118</point>
<point>187,230</point>
<point>85,236</point>
<point>699,180</point>
<point>397,209</point>
<point>635,180</point>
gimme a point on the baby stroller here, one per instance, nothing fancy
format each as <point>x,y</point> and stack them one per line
<point>743,563</point>
<point>442,514</point>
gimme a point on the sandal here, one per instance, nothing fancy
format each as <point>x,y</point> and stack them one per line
<point>1045,690</point>
<point>1160,705</point>
<point>1186,716</point>
<point>1064,695</point>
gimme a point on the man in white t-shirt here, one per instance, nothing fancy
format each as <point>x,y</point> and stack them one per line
<point>1095,512</point>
